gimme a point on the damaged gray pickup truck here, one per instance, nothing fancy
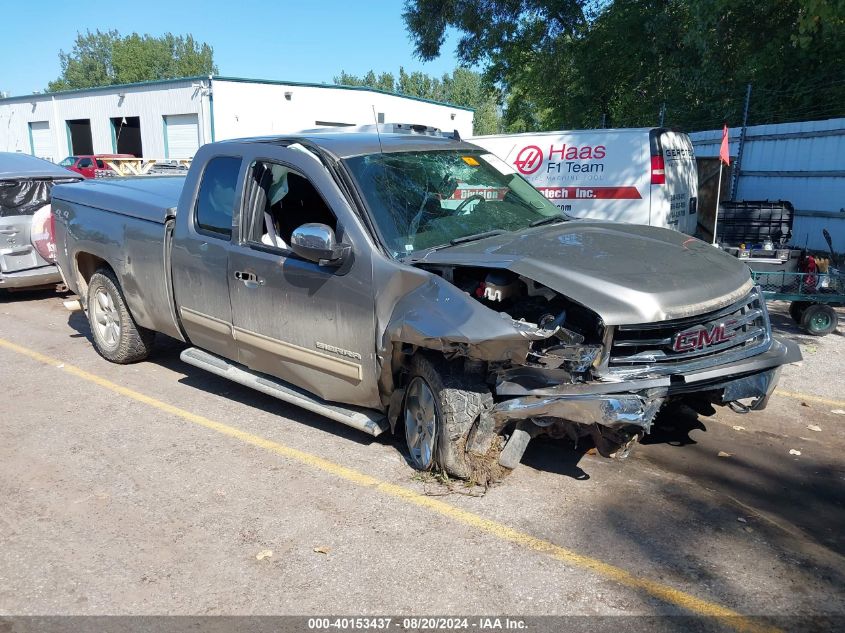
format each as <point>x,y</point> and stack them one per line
<point>414,283</point>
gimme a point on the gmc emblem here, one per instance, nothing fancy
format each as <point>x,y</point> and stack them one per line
<point>702,336</point>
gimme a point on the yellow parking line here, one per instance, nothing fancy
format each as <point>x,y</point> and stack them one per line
<point>501,531</point>
<point>805,396</point>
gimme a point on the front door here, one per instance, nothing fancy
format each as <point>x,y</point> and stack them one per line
<point>310,325</point>
<point>200,258</point>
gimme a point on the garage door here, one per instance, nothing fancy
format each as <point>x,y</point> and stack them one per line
<point>182,135</point>
<point>42,140</point>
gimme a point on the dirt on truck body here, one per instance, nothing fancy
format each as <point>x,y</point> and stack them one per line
<point>414,283</point>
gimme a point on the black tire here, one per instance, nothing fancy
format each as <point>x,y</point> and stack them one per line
<point>459,399</point>
<point>132,342</point>
<point>819,319</point>
<point>796,310</point>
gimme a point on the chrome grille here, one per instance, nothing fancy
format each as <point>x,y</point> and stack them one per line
<point>737,331</point>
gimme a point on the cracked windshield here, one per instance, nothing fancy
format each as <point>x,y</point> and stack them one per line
<point>420,200</point>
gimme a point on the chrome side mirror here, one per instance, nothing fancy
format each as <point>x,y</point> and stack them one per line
<point>317,243</point>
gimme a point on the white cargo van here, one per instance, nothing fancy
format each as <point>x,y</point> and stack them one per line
<point>637,175</point>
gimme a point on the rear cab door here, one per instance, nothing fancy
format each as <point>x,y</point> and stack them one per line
<point>202,241</point>
<point>674,194</point>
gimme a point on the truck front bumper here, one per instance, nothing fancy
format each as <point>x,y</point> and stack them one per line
<point>635,403</point>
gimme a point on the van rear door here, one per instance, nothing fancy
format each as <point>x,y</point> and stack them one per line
<point>674,181</point>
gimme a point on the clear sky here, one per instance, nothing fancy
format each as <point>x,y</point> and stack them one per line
<point>267,39</point>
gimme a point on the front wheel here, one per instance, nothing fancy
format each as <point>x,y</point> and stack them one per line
<point>117,337</point>
<point>819,319</point>
<point>441,406</point>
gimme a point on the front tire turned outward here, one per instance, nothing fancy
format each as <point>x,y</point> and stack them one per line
<point>117,337</point>
<point>441,406</point>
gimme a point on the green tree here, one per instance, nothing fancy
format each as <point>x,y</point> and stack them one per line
<point>467,88</point>
<point>463,87</point>
<point>384,81</point>
<point>573,63</point>
<point>107,58</point>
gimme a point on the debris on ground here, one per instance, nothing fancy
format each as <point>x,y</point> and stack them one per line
<point>838,411</point>
<point>724,454</point>
<point>738,428</point>
<point>814,427</point>
<point>792,451</point>
<point>265,553</point>
<point>804,404</point>
<point>322,549</point>
<point>741,520</point>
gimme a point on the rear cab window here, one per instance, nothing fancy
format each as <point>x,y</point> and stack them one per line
<point>216,199</point>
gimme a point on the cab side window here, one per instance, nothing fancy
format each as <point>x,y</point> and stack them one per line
<point>216,199</point>
<point>281,200</point>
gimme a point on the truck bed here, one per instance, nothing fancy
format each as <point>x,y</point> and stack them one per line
<point>149,198</point>
<point>122,222</point>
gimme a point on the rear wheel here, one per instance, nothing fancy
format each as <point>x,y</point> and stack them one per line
<point>117,337</point>
<point>796,310</point>
<point>819,319</point>
<point>441,406</point>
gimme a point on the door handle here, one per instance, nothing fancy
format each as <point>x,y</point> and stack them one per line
<point>250,280</point>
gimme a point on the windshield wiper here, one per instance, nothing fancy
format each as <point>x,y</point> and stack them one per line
<point>476,236</point>
<point>549,220</point>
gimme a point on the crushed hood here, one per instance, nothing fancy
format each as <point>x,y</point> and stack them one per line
<point>625,273</point>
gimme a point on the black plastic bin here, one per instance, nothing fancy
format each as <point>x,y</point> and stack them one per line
<point>752,222</point>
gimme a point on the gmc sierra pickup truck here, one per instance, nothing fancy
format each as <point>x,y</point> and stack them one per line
<point>415,283</point>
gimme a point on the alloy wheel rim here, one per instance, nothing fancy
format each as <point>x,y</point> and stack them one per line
<point>420,423</point>
<point>106,319</point>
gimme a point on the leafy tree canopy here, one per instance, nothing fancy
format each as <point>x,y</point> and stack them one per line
<point>107,58</point>
<point>463,87</point>
<point>577,63</point>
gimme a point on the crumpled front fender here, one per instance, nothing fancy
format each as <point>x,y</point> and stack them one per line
<point>438,316</point>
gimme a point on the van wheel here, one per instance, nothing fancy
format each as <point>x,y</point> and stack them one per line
<point>819,319</point>
<point>117,337</point>
<point>441,406</point>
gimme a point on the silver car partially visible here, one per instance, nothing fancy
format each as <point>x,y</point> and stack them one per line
<point>26,184</point>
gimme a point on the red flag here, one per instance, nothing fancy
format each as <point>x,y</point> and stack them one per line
<point>724,150</point>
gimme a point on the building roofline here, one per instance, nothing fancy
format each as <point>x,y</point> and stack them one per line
<point>305,84</point>
<point>275,82</point>
<point>61,93</point>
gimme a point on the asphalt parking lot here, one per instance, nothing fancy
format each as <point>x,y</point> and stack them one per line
<point>156,488</point>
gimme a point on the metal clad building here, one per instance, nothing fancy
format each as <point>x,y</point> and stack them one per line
<point>171,118</point>
<point>802,162</point>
